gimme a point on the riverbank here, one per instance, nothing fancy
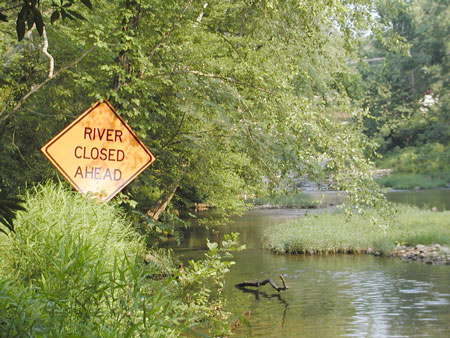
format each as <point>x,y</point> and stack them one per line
<point>336,232</point>
<point>411,181</point>
<point>430,254</point>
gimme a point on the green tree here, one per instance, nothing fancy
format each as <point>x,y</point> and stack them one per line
<point>230,96</point>
<point>407,92</point>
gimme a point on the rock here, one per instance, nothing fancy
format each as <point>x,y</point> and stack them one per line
<point>429,254</point>
<point>445,249</point>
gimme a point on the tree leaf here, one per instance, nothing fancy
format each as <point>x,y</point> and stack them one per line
<point>77,15</point>
<point>20,28</point>
<point>3,17</point>
<point>87,3</point>
<point>54,17</point>
<point>66,15</point>
<point>30,19</point>
<point>8,208</point>
<point>38,21</point>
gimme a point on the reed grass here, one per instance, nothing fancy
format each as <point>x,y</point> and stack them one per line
<point>291,199</point>
<point>340,233</point>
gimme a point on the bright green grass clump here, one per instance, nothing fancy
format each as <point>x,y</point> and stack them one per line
<point>58,222</point>
<point>339,233</point>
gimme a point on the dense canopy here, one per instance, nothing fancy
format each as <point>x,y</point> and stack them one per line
<point>230,96</point>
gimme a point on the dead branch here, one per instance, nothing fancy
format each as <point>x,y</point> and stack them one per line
<point>51,66</point>
<point>264,282</point>
<point>34,89</point>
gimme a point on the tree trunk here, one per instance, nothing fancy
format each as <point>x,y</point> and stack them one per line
<point>163,202</point>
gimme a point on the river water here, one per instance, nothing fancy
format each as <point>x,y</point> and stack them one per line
<point>328,296</point>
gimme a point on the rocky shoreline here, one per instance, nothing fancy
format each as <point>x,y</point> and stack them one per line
<point>430,254</point>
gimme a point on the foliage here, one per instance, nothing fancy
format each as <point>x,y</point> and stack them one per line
<point>406,90</point>
<point>410,181</point>
<point>290,199</point>
<point>29,13</point>
<point>339,233</point>
<point>426,165</point>
<point>155,232</point>
<point>8,208</point>
<point>231,97</point>
<point>76,268</point>
<point>206,277</point>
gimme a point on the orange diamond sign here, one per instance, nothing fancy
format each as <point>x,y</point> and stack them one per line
<point>98,152</point>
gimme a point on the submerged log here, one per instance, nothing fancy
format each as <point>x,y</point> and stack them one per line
<point>264,282</point>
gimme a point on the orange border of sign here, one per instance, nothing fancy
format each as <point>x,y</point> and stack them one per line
<point>72,124</point>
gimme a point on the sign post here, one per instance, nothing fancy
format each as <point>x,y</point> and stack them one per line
<point>98,152</point>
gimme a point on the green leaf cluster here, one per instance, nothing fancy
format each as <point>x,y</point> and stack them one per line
<point>233,98</point>
<point>406,86</point>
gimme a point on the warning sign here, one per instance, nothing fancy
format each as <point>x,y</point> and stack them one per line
<point>98,153</point>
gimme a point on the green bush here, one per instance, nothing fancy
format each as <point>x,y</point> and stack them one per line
<point>427,164</point>
<point>75,267</point>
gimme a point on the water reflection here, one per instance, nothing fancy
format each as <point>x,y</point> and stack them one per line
<point>351,296</point>
<point>438,198</point>
<point>329,296</point>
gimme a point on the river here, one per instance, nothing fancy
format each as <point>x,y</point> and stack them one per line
<point>328,296</point>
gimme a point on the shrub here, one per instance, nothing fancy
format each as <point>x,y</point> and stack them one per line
<point>430,162</point>
<point>75,267</point>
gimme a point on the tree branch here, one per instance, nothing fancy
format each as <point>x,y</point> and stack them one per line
<point>176,133</point>
<point>172,28</point>
<point>228,79</point>
<point>199,18</point>
<point>250,137</point>
<point>264,282</point>
<point>9,8</point>
<point>34,89</point>
<point>214,76</point>
<point>47,54</point>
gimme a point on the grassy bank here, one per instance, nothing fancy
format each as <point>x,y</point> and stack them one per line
<point>410,181</point>
<point>291,199</point>
<point>337,233</point>
<point>425,166</point>
<point>77,268</point>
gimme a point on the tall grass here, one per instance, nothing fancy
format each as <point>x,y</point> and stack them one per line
<point>410,181</point>
<point>291,199</point>
<point>57,224</point>
<point>75,268</point>
<point>339,233</point>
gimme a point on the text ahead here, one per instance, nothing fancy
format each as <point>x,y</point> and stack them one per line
<point>98,153</point>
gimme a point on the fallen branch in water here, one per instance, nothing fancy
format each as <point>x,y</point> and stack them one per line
<point>264,282</point>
